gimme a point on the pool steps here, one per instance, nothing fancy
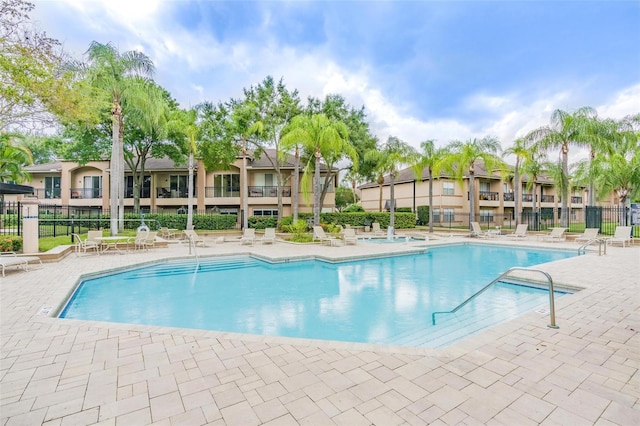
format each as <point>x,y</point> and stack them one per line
<point>189,268</point>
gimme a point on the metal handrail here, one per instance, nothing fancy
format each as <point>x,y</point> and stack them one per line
<point>195,250</point>
<point>552,309</point>
<point>601,242</point>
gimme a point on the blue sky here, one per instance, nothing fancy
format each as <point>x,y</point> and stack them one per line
<point>438,70</point>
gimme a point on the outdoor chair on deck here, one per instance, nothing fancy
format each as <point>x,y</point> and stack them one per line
<point>320,235</point>
<point>269,236</point>
<point>84,246</point>
<point>375,229</point>
<point>350,236</point>
<point>556,234</point>
<point>140,240</point>
<point>191,235</point>
<point>520,232</point>
<point>167,233</point>
<point>12,259</point>
<point>248,236</point>
<point>476,231</point>
<point>622,236</point>
<point>150,241</point>
<point>588,235</point>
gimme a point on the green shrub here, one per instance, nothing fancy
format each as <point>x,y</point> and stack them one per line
<point>262,222</point>
<point>423,215</point>
<point>404,210</point>
<point>352,208</point>
<point>11,243</point>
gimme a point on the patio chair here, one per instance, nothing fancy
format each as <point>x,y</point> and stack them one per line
<point>556,234</point>
<point>375,229</point>
<point>520,232</point>
<point>84,246</point>
<point>150,240</point>
<point>167,233</point>
<point>12,259</point>
<point>476,231</point>
<point>588,235</point>
<point>248,236</point>
<point>92,235</point>
<point>320,235</point>
<point>350,236</point>
<point>269,236</point>
<point>140,240</point>
<point>622,236</point>
<point>196,239</point>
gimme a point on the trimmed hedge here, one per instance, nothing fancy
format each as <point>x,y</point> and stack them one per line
<point>152,220</point>
<point>423,215</point>
<point>402,220</point>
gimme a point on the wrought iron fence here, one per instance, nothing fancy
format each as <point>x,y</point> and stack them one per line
<point>10,214</point>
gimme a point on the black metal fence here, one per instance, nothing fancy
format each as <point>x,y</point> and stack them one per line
<point>10,214</point>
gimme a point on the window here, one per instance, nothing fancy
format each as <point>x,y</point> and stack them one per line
<point>265,212</point>
<point>145,191</point>
<point>178,185</point>
<point>323,180</point>
<point>92,187</point>
<point>449,215</point>
<point>486,215</point>
<point>447,188</point>
<point>52,187</point>
<point>485,187</point>
<point>226,185</point>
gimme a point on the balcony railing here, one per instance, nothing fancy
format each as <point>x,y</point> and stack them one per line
<point>527,198</point>
<point>488,196</point>
<point>268,191</point>
<point>221,191</point>
<point>547,198</point>
<point>144,193</point>
<point>576,200</point>
<point>179,192</point>
<point>52,193</point>
<point>76,193</point>
<point>508,196</point>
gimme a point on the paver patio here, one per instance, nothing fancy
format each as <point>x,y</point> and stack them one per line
<point>60,372</point>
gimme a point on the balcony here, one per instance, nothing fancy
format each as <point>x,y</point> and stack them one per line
<point>488,196</point>
<point>508,196</point>
<point>547,198</point>
<point>576,200</point>
<point>527,198</point>
<point>144,193</point>
<point>221,192</point>
<point>268,191</point>
<point>178,192</point>
<point>85,193</point>
<point>48,194</point>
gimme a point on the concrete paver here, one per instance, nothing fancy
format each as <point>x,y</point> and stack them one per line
<point>57,371</point>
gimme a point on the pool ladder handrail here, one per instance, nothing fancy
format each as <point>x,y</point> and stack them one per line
<point>552,310</point>
<point>192,243</point>
<point>601,242</point>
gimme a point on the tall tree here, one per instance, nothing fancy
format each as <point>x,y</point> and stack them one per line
<point>391,156</point>
<point>327,139</point>
<point>521,152</point>
<point>462,160</point>
<point>565,129</point>
<point>112,72</point>
<point>533,167</point>
<point>429,158</point>
<point>13,159</point>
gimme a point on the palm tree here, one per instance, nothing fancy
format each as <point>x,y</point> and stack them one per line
<point>389,158</point>
<point>463,157</point>
<point>111,71</point>
<point>521,152</point>
<point>320,137</point>
<point>532,166</point>
<point>565,129</point>
<point>430,158</point>
<point>13,159</point>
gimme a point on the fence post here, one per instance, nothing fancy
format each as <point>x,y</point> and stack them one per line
<point>30,208</point>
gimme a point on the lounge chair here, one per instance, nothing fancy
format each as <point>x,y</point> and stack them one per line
<point>139,241</point>
<point>622,236</point>
<point>150,241</point>
<point>556,234</point>
<point>476,231</point>
<point>269,236</point>
<point>11,259</point>
<point>589,234</point>
<point>167,233</point>
<point>320,235</point>
<point>248,236</point>
<point>196,239</point>
<point>350,237</point>
<point>84,246</point>
<point>375,229</point>
<point>520,232</point>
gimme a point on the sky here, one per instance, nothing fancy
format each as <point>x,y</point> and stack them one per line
<point>440,70</point>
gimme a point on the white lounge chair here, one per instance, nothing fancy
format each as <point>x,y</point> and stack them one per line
<point>12,259</point>
<point>269,236</point>
<point>588,235</point>
<point>476,231</point>
<point>622,236</point>
<point>520,232</point>
<point>320,235</point>
<point>349,236</point>
<point>248,236</point>
<point>375,229</point>
<point>140,240</point>
<point>556,234</point>
<point>192,236</point>
<point>150,241</point>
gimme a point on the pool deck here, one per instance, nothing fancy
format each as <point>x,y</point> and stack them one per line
<point>70,372</point>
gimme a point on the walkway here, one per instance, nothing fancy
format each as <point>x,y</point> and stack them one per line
<point>67,372</point>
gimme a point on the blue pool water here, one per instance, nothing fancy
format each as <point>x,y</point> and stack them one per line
<point>384,300</point>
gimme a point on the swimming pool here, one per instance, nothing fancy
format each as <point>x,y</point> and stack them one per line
<point>384,300</point>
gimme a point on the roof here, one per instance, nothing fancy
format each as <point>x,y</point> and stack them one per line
<point>13,189</point>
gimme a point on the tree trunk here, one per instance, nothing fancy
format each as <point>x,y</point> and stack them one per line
<point>296,184</point>
<point>121,177</point>
<point>190,192</point>
<point>392,207</point>
<point>115,172</point>
<point>564,214</point>
<point>245,184</point>
<point>430,201</point>
<point>516,192</point>
<point>316,190</point>
<point>472,198</point>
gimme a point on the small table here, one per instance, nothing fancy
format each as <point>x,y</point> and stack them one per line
<point>111,243</point>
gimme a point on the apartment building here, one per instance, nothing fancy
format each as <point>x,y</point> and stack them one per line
<point>164,188</point>
<point>494,196</point>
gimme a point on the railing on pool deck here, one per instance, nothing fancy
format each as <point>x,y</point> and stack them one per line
<point>552,309</point>
<point>192,243</point>
<point>601,242</point>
